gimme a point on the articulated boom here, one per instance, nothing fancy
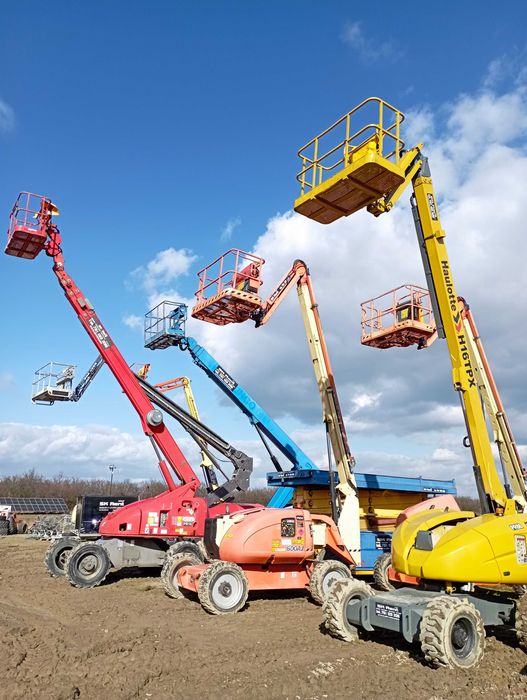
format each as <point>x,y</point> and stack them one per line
<point>181,512</point>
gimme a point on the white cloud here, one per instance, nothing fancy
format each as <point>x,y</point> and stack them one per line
<point>7,117</point>
<point>477,145</point>
<point>7,380</point>
<point>368,49</point>
<point>134,322</point>
<point>230,226</point>
<point>164,269</point>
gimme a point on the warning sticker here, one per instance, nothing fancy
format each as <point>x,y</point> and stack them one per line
<point>393,612</point>
<point>383,542</point>
<point>521,548</point>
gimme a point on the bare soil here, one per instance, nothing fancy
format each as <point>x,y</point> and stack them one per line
<point>127,639</point>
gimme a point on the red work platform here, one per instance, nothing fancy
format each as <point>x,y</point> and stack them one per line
<point>27,235</point>
<point>229,289</point>
<point>398,318</point>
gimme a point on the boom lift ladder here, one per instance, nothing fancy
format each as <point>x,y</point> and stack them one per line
<point>137,534</point>
<point>446,550</point>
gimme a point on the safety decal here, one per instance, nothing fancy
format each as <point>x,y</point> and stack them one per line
<point>432,205</point>
<point>225,378</point>
<point>520,542</point>
<point>383,542</point>
<point>102,336</point>
<point>516,526</point>
<point>152,519</point>
<point>298,540</point>
<point>393,612</point>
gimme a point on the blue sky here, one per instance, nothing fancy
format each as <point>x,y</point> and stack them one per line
<point>168,125</point>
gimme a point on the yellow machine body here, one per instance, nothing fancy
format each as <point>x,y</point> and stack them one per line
<point>460,547</point>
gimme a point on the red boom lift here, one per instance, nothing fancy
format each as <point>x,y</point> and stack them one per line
<point>141,533</point>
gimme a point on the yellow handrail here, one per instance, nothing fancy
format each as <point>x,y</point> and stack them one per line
<point>314,170</point>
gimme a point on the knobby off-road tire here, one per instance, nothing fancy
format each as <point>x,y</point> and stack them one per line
<point>325,575</point>
<point>184,547</point>
<point>520,623</point>
<point>335,606</point>
<point>381,580</point>
<point>56,555</point>
<point>452,634</point>
<point>170,570</point>
<point>223,588</point>
<point>87,565</point>
<point>4,527</point>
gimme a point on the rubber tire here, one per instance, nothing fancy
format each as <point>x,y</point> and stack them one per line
<point>57,548</point>
<point>334,609</point>
<point>22,528</point>
<point>169,572</point>
<point>520,621</point>
<point>206,587</point>
<point>76,556</point>
<point>380,573</point>
<point>185,547</point>
<point>318,583</point>
<point>436,628</point>
<point>4,527</point>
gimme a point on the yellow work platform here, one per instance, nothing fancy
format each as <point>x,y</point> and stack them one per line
<point>355,168</point>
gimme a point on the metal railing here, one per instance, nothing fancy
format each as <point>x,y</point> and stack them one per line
<point>318,166</point>
<point>408,303</point>
<point>166,319</point>
<point>234,269</point>
<point>53,377</point>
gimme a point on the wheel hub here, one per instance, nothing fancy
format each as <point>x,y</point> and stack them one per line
<point>462,638</point>
<point>88,565</point>
<point>225,589</point>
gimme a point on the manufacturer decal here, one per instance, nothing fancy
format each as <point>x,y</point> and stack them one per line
<point>458,323</point>
<point>392,612</point>
<point>432,205</point>
<point>101,335</point>
<point>520,543</point>
<point>516,526</point>
<point>383,542</point>
<point>225,378</point>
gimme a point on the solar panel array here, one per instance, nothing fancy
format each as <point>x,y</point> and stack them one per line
<point>35,505</point>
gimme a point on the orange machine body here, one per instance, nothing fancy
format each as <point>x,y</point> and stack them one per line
<point>276,548</point>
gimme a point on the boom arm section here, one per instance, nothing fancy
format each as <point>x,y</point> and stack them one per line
<point>203,435</point>
<point>263,423</point>
<point>448,312</point>
<point>88,378</point>
<point>332,414</point>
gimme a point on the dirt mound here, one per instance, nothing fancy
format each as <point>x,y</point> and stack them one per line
<point>127,639</point>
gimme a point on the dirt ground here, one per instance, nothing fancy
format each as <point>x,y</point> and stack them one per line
<point>126,639</point>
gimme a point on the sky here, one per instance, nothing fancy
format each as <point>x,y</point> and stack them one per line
<point>167,132</point>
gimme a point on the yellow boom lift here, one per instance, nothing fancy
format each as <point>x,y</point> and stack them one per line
<point>462,560</point>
